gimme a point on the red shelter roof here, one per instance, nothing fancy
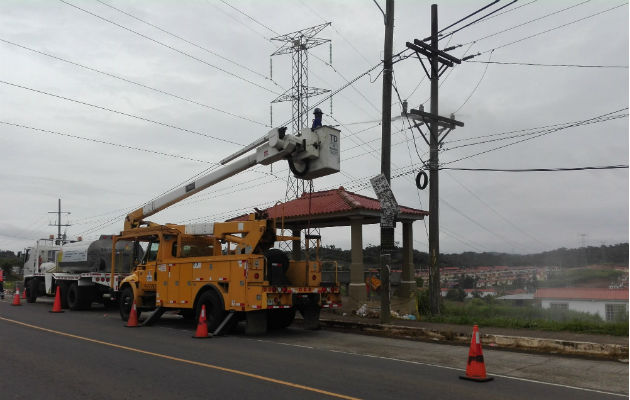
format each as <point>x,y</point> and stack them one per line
<point>334,208</point>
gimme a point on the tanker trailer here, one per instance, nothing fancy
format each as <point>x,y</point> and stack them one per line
<point>83,273</point>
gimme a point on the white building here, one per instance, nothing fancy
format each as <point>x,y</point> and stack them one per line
<point>607,303</point>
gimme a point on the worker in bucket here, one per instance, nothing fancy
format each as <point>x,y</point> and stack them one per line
<point>317,121</point>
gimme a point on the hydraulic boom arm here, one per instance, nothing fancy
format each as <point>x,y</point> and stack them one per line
<point>310,155</point>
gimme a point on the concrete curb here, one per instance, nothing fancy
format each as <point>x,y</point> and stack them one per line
<point>501,342</point>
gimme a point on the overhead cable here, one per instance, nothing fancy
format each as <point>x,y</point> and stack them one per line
<point>122,113</point>
<point>172,48</point>
<point>134,83</point>
<point>108,143</point>
<point>527,22</point>
<point>555,28</point>
<point>548,65</point>
<point>214,53</point>
<point>617,166</point>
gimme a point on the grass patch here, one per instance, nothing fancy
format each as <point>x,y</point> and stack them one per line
<point>571,277</point>
<point>489,312</point>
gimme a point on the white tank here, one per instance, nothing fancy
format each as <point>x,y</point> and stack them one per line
<point>95,256</point>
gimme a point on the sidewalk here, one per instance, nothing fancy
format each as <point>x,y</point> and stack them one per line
<point>534,341</point>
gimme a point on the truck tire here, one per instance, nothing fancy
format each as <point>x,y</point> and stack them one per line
<point>31,293</point>
<point>280,319</point>
<point>214,310</point>
<point>126,301</point>
<point>63,294</point>
<point>310,313</point>
<point>74,297</point>
<point>256,323</point>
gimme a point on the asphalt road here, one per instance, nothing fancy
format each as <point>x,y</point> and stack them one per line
<point>90,355</point>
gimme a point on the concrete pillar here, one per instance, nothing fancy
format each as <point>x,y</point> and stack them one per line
<point>407,292</point>
<point>357,283</point>
<point>296,245</point>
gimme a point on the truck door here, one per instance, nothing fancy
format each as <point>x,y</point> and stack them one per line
<point>146,276</point>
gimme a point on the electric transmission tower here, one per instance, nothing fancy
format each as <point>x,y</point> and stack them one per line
<point>297,43</point>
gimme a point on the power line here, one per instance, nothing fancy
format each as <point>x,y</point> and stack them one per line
<point>555,28</point>
<point>250,17</point>
<point>121,113</point>
<point>548,65</point>
<point>476,86</point>
<point>523,140</point>
<point>555,128</point>
<point>133,82</point>
<point>507,11</point>
<point>531,129</point>
<point>108,143</point>
<point>477,223</point>
<point>468,16</point>
<point>338,33</point>
<point>345,79</point>
<point>527,22</point>
<point>515,226</point>
<point>233,18</point>
<point>185,40</point>
<point>171,48</point>
<point>477,20</point>
<point>617,166</point>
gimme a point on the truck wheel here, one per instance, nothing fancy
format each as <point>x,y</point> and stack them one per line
<point>31,294</point>
<point>126,301</point>
<point>63,293</point>
<point>280,319</point>
<point>214,311</point>
<point>256,323</point>
<point>310,313</point>
<point>73,297</point>
<point>86,297</point>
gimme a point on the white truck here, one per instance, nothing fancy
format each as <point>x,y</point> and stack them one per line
<point>81,270</point>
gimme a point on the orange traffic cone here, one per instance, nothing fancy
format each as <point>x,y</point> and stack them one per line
<point>57,304</point>
<point>132,321</point>
<point>24,294</point>
<point>202,326</point>
<point>16,298</point>
<point>476,368</point>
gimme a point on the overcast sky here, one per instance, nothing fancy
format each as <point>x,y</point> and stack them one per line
<point>62,60</point>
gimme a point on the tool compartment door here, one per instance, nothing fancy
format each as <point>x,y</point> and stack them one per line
<point>184,289</point>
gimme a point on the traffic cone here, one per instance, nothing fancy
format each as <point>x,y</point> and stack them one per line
<point>57,304</point>
<point>476,368</point>
<point>132,321</point>
<point>24,294</point>
<point>16,298</point>
<point>202,326</point>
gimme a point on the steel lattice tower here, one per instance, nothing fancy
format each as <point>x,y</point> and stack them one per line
<point>297,43</point>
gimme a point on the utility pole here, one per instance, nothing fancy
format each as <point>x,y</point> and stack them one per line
<point>387,232</point>
<point>439,128</point>
<point>434,201</point>
<point>60,239</point>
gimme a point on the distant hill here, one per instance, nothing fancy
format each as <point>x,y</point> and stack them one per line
<point>604,255</point>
